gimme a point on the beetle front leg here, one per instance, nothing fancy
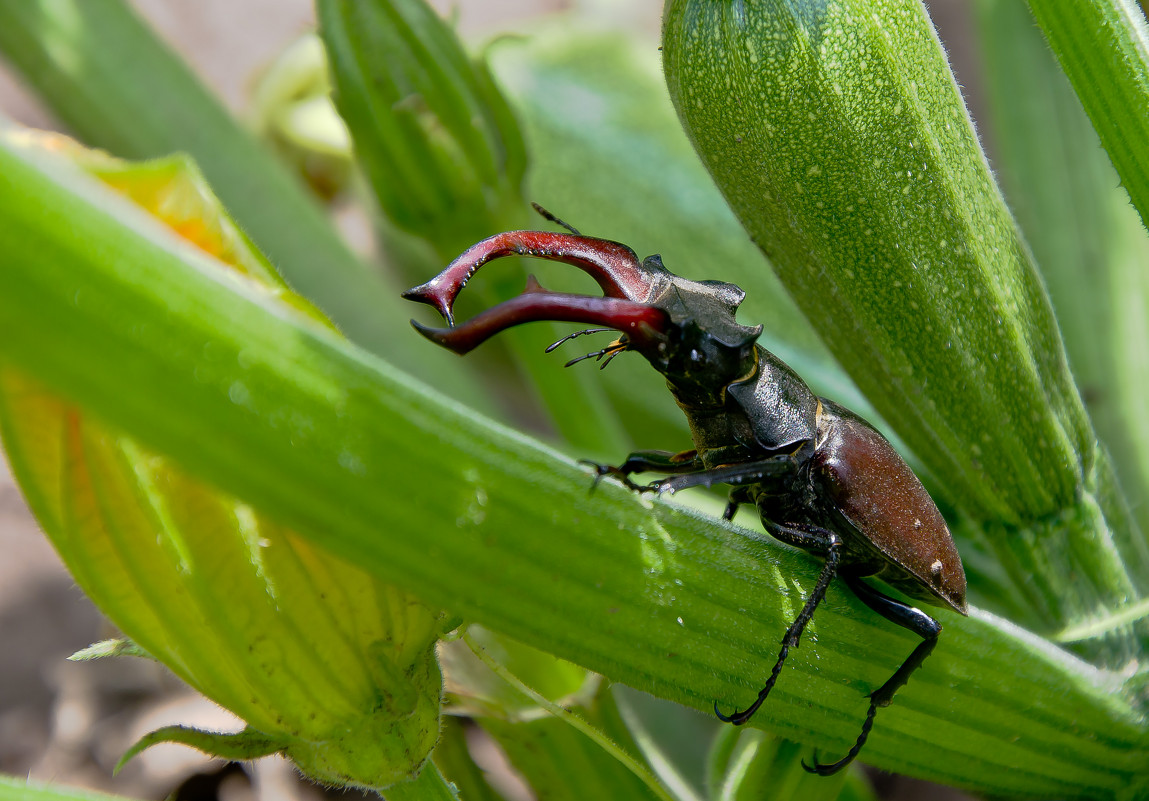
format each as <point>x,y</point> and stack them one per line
<point>646,462</point>
<point>832,544</point>
<point>736,474</point>
<point>908,617</point>
<point>738,496</point>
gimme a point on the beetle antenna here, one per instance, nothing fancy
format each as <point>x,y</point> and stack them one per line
<point>610,351</point>
<point>598,354</point>
<point>554,345</point>
<point>610,358</point>
<point>546,215</point>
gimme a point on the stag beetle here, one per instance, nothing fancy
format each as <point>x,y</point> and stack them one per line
<point>822,478</point>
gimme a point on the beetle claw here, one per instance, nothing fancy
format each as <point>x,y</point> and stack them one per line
<point>827,770</point>
<point>602,471</point>
<point>736,718</point>
<point>433,294</point>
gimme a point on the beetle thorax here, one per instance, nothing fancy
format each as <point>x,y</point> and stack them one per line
<point>698,367</point>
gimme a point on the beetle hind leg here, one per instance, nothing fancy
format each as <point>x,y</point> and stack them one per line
<point>908,617</point>
<point>831,543</point>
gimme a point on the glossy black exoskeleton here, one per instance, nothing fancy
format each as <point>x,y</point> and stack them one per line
<point>822,478</point>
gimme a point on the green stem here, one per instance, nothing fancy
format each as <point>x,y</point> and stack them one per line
<point>571,719</point>
<point>113,312</point>
<point>429,785</point>
<point>1103,46</point>
<point>117,86</point>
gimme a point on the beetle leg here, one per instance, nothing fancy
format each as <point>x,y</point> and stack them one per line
<point>741,473</point>
<point>832,544</point>
<point>738,496</point>
<point>811,539</point>
<point>646,462</point>
<point>908,617</point>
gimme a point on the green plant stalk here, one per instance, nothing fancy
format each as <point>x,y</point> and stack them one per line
<point>1129,304</point>
<point>747,765</point>
<point>436,141</point>
<point>839,137</point>
<point>867,189</point>
<point>20,789</point>
<point>1089,242</point>
<point>145,332</point>
<point>1103,46</point>
<point>563,764</point>
<point>444,158</point>
<point>453,759</point>
<point>1059,183</point>
<point>430,785</point>
<point>111,80</point>
<point>666,734</point>
<point>587,730</point>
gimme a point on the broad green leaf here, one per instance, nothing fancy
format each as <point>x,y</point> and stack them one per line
<point>593,730</point>
<point>468,516</point>
<point>325,663</point>
<point>670,737</point>
<point>1103,46</point>
<point>839,137</point>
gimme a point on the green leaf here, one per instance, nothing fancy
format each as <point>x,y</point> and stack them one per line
<point>1103,46</point>
<point>468,516</point>
<point>244,745</point>
<point>547,754</point>
<point>669,736</point>
<point>839,137</point>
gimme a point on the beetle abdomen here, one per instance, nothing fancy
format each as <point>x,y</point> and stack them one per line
<point>869,485</point>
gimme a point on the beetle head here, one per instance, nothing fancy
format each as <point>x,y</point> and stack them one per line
<point>686,329</point>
